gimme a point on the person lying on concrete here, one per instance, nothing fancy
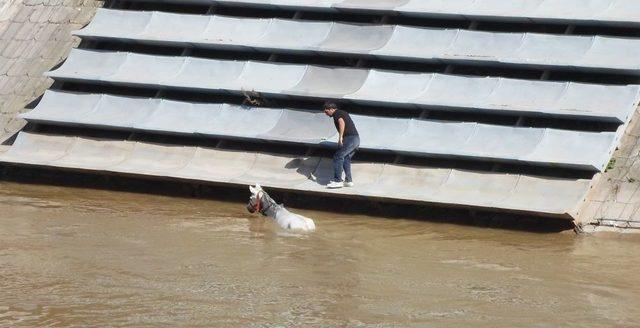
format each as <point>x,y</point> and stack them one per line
<point>348,143</point>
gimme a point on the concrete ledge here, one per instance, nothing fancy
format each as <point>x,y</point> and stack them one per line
<point>445,187</point>
<point>611,103</point>
<point>604,12</point>
<point>400,43</point>
<point>414,137</point>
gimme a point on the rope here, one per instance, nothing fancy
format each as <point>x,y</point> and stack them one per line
<point>259,208</point>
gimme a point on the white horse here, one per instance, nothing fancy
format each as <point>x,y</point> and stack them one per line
<point>262,203</point>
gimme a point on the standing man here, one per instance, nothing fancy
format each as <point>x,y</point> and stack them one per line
<point>348,143</point>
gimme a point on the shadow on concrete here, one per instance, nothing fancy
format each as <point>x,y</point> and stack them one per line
<point>10,140</point>
<point>34,102</point>
<point>28,127</point>
<point>308,167</point>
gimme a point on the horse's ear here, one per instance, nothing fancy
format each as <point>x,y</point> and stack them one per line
<point>253,189</point>
<point>258,187</point>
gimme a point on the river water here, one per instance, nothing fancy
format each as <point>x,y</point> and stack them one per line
<point>71,256</point>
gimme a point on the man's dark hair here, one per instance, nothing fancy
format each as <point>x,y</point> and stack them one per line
<point>330,105</point>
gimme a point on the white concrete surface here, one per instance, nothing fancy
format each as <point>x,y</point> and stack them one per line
<point>520,193</point>
<point>531,50</point>
<point>424,138</point>
<point>421,90</point>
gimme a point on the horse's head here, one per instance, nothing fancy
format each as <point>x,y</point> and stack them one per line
<point>261,202</point>
<point>255,200</point>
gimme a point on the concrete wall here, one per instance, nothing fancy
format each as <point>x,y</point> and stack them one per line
<point>614,202</point>
<point>34,37</point>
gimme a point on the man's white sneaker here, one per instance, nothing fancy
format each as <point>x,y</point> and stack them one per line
<point>335,184</point>
<point>349,184</point>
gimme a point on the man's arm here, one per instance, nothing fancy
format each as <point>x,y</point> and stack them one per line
<point>341,126</point>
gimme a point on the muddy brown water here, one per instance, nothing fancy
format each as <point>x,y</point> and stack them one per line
<point>80,257</point>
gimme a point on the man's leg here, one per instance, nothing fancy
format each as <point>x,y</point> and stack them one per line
<point>347,166</point>
<point>338,163</point>
<point>351,144</point>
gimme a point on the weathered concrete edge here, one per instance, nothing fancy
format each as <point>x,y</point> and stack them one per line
<point>613,204</point>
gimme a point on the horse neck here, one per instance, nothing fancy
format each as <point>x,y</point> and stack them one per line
<point>270,206</point>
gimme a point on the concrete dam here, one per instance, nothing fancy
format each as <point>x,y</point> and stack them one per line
<point>513,107</point>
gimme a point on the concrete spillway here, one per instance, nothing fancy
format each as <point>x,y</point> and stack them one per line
<point>362,86</point>
<point>601,12</point>
<point>425,185</point>
<point>397,42</point>
<point>552,135</point>
<point>424,138</point>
